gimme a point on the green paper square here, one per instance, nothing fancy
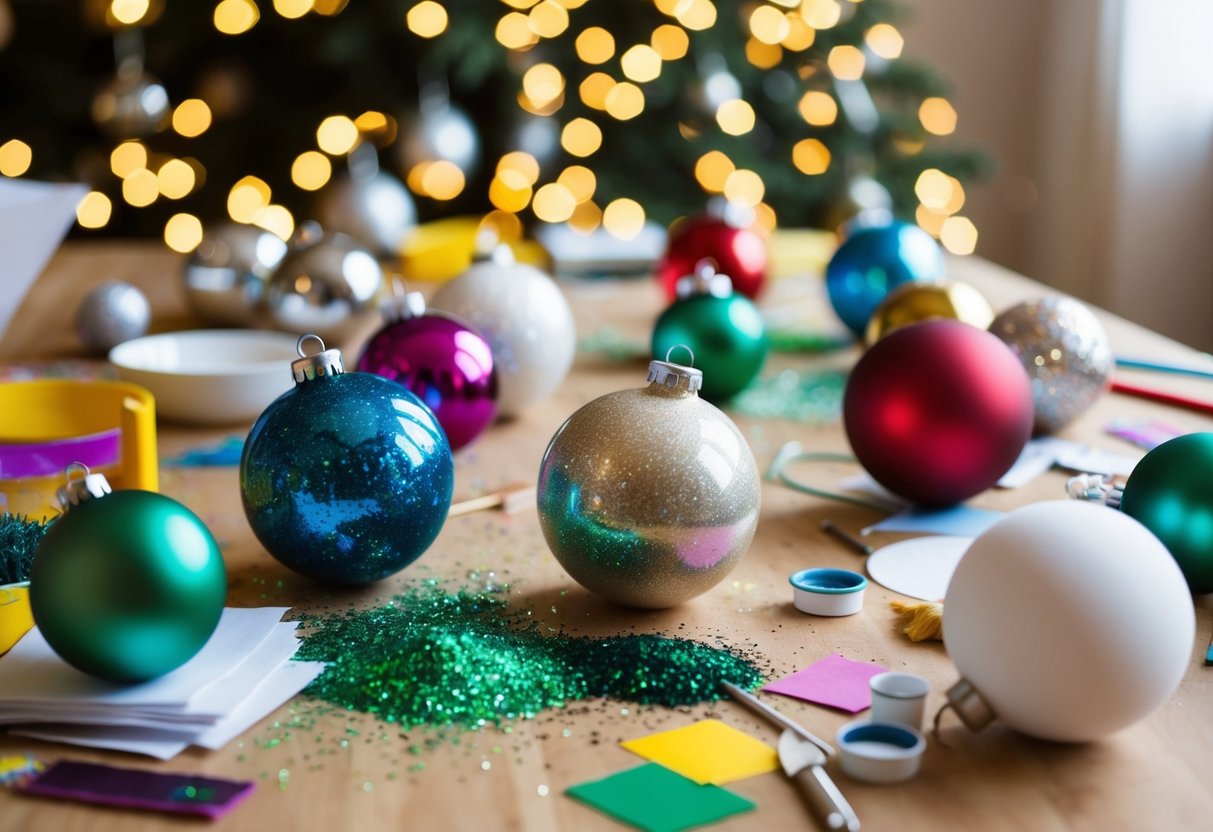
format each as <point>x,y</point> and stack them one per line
<point>653,798</point>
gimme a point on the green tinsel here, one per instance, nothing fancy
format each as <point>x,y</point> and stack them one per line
<point>19,539</point>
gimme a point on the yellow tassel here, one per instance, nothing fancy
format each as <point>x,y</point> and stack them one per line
<point>920,621</point>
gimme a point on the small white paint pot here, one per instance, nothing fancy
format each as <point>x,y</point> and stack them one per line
<point>830,592</point>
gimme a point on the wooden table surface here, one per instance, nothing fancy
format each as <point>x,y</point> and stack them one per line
<point>1155,775</point>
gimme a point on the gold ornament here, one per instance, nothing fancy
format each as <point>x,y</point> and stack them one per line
<point>912,303</point>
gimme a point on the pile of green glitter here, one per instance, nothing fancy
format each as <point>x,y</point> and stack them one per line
<point>431,657</point>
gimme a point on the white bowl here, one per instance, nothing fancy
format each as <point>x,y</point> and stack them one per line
<point>208,377</point>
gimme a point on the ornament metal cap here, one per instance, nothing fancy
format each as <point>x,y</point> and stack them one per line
<point>324,363</point>
<point>86,487</point>
<point>401,304</point>
<point>676,376</point>
<point>972,708</point>
<point>705,281</point>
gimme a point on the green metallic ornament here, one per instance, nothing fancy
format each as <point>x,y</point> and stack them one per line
<point>128,585</point>
<point>649,497</point>
<point>1168,493</point>
<point>724,329</point>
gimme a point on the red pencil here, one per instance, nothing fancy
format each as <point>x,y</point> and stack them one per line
<point>1162,396</point>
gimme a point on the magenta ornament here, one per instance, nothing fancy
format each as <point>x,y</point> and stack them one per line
<point>443,361</point>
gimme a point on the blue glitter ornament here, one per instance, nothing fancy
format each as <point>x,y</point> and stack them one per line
<point>872,261</point>
<point>347,477</point>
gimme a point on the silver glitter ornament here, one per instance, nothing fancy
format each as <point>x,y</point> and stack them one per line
<point>133,105</point>
<point>438,130</point>
<point>110,314</point>
<point>226,274</point>
<point>368,204</point>
<point>526,320</point>
<point>1066,352</point>
<point>649,497</point>
<point>325,284</point>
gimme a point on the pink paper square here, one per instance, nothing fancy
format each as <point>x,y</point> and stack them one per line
<point>835,681</point>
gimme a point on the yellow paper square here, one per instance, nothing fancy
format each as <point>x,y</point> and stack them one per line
<point>707,752</point>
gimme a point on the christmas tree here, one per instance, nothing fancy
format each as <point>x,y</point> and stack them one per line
<point>179,115</point>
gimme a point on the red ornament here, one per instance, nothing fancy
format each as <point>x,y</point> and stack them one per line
<point>937,411</point>
<point>738,252</point>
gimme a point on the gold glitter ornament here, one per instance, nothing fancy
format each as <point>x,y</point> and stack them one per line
<point>649,497</point>
<point>912,303</point>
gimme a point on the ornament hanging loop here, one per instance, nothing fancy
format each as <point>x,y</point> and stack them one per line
<point>401,304</point>
<point>704,280</point>
<point>326,362</point>
<point>690,352</point>
<point>79,489</point>
<point>675,379</point>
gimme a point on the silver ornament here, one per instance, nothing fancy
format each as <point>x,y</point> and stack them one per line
<point>226,274</point>
<point>374,208</point>
<point>110,314</point>
<point>1066,352</point>
<point>133,105</point>
<point>649,497</point>
<point>439,131</point>
<point>526,320</point>
<point>325,284</point>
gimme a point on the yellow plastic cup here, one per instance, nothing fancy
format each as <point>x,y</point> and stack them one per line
<point>16,618</point>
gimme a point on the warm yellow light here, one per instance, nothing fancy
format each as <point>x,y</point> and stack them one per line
<point>15,157</point>
<point>712,169</point>
<point>192,117</point>
<point>580,181</point>
<point>933,189</point>
<point>416,176</point>
<point>141,188</point>
<point>744,187</point>
<point>572,4</point>
<point>514,31</point>
<point>175,179</point>
<point>183,232</point>
<point>735,117</point>
<point>800,34</point>
<point>246,198</point>
<point>507,197</point>
<point>818,108</point>
<point>821,14</point>
<point>671,42</point>
<point>671,7</point>
<point>581,137</point>
<point>846,62</point>
<point>884,40</point>
<point>623,218</point>
<point>554,203</point>
<point>311,170</point>
<point>765,220</point>
<point>337,135</point>
<point>958,197</point>
<point>542,84</point>
<point>908,145</point>
<point>235,17</point>
<point>763,55</point>
<point>937,116</point>
<point>427,19</point>
<point>127,158</point>
<point>811,157</point>
<point>695,15</point>
<point>329,8</point>
<point>586,218</point>
<point>769,25</point>
<point>641,63</point>
<point>523,164</point>
<point>595,88</point>
<point>128,11</point>
<point>548,19</point>
<point>371,121</point>
<point>625,101</point>
<point>520,4</point>
<point>277,220</point>
<point>929,221</point>
<point>292,9</point>
<point>94,211</point>
<point>958,235</point>
<point>504,225</point>
<point>595,45</point>
<point>443,180</point>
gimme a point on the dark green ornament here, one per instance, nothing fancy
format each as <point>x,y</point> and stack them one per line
<point>1168,493</point>
<point>724,330</point>
<point>126,586</point>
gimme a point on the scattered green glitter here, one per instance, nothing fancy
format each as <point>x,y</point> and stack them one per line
<point>19,539</point>
<point>812,397</point>
<point>435,658</point>
<point>800,340</point>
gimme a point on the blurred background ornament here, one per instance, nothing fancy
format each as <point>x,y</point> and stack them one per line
<point>723,329</point>
<point>938,411</point>
<point>1068,621</point>
<point>226,275</point>
<point>649,497</point>
<point>861,202</point>
<point>134,104</point>
<point>1066,352</point>
<point>912,303</point>
<point>526,319</point>
<point>326,283</point>
<point>1168,493</point>
<point>873,260</point>
<point>444,362</point>
<point>739,252</point>
<point>368,204</point>
<point>127,585</point>
<point>438,130</point>
<point>347,477</point>
<point>112,313</point>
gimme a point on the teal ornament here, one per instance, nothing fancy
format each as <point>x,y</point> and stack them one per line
<point>128,585</point>
<point>723,329</point>
<point>1168,493</point>
<point>347,477</point>
<point>872,261</point>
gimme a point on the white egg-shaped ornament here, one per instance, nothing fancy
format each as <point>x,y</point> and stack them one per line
<point>526,319</point>
<point>1068,621</point>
